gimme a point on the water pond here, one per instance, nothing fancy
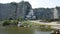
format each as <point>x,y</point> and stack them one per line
<point>20,30</point>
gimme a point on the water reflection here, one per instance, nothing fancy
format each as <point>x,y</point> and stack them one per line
<point>40,32</point>
<point>20,30</point>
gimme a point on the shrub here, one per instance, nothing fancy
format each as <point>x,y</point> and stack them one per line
<point>15,22</point>
<point>10,22</point>
<point>20,19</point>
<point>27,23</point>
<point>6,22</point>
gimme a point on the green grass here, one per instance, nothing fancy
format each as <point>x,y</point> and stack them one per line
<point>8,22</point>
<point>30,24</point>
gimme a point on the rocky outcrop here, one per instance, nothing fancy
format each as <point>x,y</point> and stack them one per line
<point>7,11</point>
<point>15,10</point>
<point>46,13</point>
<point>43,13</point>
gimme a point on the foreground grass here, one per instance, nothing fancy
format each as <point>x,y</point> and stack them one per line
<point>30,25</point>
<point>37,26</point>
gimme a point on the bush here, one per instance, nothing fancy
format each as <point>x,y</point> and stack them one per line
<point>10,22</point>
<point>6,22</point>
<point>15,22</point>
<point>27,23</point>
<point>20,19</point>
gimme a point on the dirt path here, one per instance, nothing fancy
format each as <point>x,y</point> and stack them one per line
<point>54,25</point>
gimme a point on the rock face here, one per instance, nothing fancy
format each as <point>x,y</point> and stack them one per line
<point>16,10</point>
<point>43,13</point>
<point>55,13</point>
<point>47,13</point>
<point>23,9</point>
<point>7,11</point>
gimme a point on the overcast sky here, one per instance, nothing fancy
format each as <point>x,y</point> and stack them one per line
<point>37,3</point>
